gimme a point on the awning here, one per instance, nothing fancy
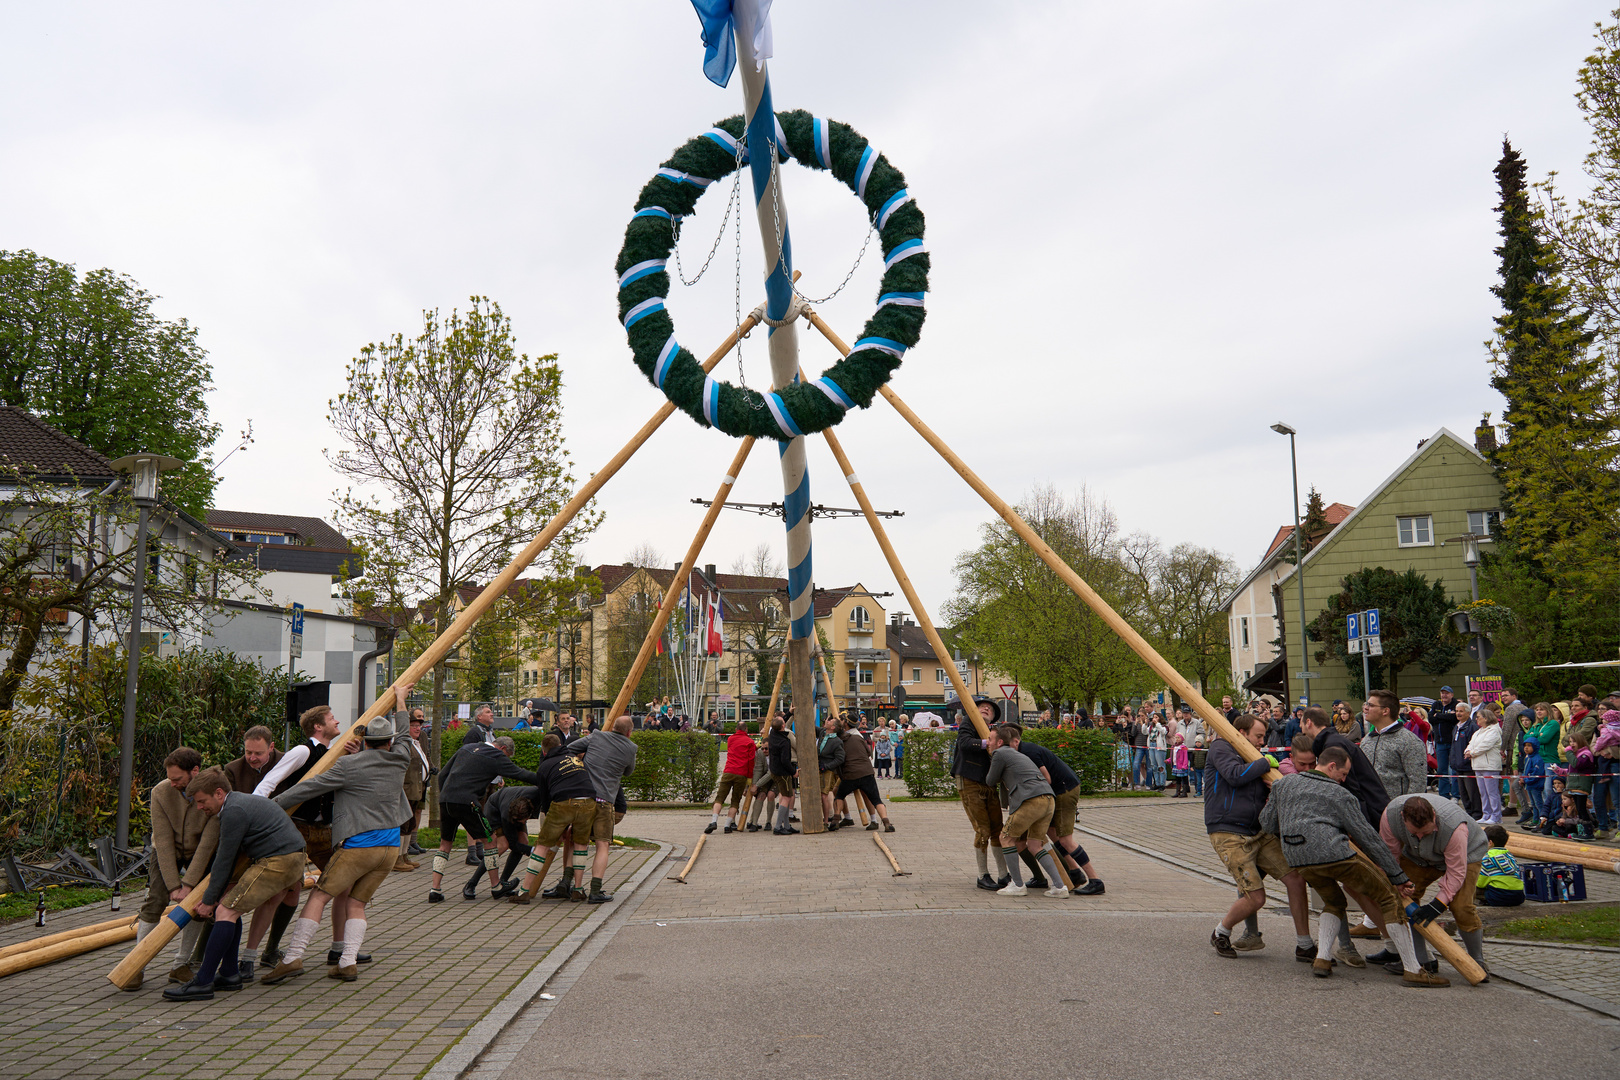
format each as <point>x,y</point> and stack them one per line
<point>1270,678</point>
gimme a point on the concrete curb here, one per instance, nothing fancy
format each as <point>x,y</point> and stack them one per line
<point>464,1054</point>
<point>1562,993</point>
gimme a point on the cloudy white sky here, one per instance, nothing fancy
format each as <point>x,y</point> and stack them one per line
<point>1156,228</point>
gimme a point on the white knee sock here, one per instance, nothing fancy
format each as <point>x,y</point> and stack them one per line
<point>353,931</point>
<point>1366,920</point>
<point>983,858</point>
<point>1401,935</point>
<point>1327,931</point>
<point>302,932</point>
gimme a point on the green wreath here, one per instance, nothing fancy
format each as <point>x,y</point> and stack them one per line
<point>802,408</point>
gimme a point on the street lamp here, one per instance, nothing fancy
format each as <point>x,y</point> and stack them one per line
<point>1299,565</point>
<point>143,470</point>
<point>1470,543</point>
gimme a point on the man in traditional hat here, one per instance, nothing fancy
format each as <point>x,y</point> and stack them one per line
<point>970,767</point>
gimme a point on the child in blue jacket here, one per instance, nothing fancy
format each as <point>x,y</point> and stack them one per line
<point>1534,771</point>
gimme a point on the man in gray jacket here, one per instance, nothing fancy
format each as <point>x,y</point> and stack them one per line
<point>368,806</point>
<point>1397,755</point>
<point>1322,828</point>
<point>1027,797</point>
<point>610,756</point>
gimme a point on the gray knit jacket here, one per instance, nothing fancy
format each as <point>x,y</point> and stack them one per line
<point>1399,759</point>
<point>1317,819</point>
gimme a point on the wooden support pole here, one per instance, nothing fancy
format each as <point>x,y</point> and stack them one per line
<point>1454,954</point>
<point>687,869</point>
<point>63,949</point>
<point>1536,853</point>
<point>833,712</point>
<point>66,935</point>
<point>776,693</point>
<point>667,608</point>
<point>1568,847</point>
<point>1063,871</point>
<point>126,972</point>
<point>887,854</point>
<point>927,624</point>
<point>811,820</point>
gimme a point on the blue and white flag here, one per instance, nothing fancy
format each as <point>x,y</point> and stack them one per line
<point>721,19</point>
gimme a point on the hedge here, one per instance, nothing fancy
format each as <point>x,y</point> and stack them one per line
<point>671,766</point>
<point>1089,752</point>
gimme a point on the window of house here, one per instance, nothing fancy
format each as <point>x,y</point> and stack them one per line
<point>866,676</point>
<point>916,674</point>
<point>852,680</point>
<point>579,636</point>
<point>1243,623</point>
<point>1415,531</point>
<point>753,675</point>
<point>858,616</point>
<point>1481,522</point>
<point>577,671</point>
<point>723,675</point>
<point>939,674</point>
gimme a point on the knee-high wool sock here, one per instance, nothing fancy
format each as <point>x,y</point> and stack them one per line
<point>228,964</point>
<point>1401,935</point>
<point>142,928</point>
<point>1028,859</point>
<point>185,947</point>
<point>514,856</point>
<point>303,932</point>
<point>1326,931</point>
<point>982,857</point>
<point>278,926</point>
<point>221,943</point>
<point>1000,861</point>
<point>1009,856</point>
<point>782,816</point>
<point>1046,860</point>
<point>1474,942</point>
<point>353,931</point>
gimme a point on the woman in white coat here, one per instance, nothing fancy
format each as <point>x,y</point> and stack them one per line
<point>1485,754</point>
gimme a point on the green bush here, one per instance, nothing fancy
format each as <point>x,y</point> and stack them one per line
<point>1089,752</point>
<point>928,763</point>
<point>671,766</point>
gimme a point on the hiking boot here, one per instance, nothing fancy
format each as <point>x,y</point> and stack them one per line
<point>1222,944</point>
<point>987,883</point>
<point>181,974</point>
<point>1349,956</point>
<point>1094,887</point>
<point>1304,955</point>
<point>709,828</point>
<point>872,826</point>
<point>403,865</point>
<point>599,897</point>
<point>1424,979</point>
<point>1250,943</point>
<point>847,822</point>
<point>347,974</point>
<point>190,991</point>
<point>287,969</point>
<point>1321,968</point>
<point>1012,890</point>
<point>832,826</point>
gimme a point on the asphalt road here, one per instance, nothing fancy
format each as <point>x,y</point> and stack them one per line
<point>1104,994</point>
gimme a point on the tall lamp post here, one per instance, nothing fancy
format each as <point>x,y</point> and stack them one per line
<point>1470,545</point>
<point>143,470</point>
<point>1299,565</point>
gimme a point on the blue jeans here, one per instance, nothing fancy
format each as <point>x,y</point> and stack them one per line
<point>1533,789</point>
<point>1157,758</point>
<point>1442,755</point>
<point>1198,782</point>
<point>1549,798</point>
<point>1602,784</point>
<point>1141,774</point>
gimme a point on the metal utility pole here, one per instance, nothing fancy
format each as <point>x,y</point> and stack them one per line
<point>1299,568</point>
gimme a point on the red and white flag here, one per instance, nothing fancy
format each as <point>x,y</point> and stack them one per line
<point>714,640</point>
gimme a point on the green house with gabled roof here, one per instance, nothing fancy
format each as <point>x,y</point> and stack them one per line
<point>1443,491</point>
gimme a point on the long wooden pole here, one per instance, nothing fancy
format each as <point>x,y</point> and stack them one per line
<point>66,935</point>
<point>1537,853</point>
<point>934,640</point>
<point>667,608</point>
<point>63,949</point>
<point>125,974</point>
<point>833,716</point>
<point>687,869</point>
<point>887,854</point>
<point>1162,667</point>
<point>1571,847</point>
<point>776,690</point>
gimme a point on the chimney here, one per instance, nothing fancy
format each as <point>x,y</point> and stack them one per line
<point>1485,437</point>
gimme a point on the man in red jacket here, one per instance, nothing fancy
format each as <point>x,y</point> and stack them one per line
<point>735,778</point>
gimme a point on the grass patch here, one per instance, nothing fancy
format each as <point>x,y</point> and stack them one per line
<point>1596,926</point>
<point>63,897</point>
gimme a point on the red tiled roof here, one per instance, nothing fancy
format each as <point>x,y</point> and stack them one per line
<point>1335,515</point>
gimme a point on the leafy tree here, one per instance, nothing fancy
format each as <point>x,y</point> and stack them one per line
<point>1556,560</point>
<point>89,357</point>
<point>1412,619</point>
<point>1182,594</point>
<point>456,442</point>
<point>632,608</point>
<point>1026,622</point>
<point>757,624</point>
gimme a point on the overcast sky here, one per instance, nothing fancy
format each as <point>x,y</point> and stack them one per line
<point>1155,228</point>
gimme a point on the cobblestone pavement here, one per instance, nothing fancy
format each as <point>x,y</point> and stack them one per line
<point>437,971</point>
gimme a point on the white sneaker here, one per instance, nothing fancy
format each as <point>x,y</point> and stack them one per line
<point>1012,890</point>
<point>1057,890</point>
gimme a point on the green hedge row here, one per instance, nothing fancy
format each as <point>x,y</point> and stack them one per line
<point>679,766</point>
<point>1089,752</point>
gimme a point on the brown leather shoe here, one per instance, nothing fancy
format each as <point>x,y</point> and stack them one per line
<point>287,969</point>
<point>347,974</point>
<point>402,866</point>
<point>1421,978</point>
<point>1321,968</point>
<point>520,898</point>
<point>1363,930</point>
<point>181,974</point>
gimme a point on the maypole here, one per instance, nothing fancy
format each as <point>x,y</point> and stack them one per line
<point>751,29</point>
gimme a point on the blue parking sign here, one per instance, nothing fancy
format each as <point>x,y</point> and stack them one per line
<point>1353,626</point>
<point>1370,622</point>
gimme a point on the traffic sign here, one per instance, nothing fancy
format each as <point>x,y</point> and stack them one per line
<point>1369,622</point>
<point>296,648</point>
<point>1307,675</point>
<point>1353,646</point>
<point>1009,690</point>
<point>1353,629</point>
<point>1375,646</point>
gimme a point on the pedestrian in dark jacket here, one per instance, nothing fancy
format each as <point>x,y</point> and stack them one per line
<point>970,766</point>
<point>1363,781</point>
<point>779,750</point>
<point>1234,794</point>
<point>830,753</point>
<point>461,797</point>
<point>1461,765</point>
<point>856,777</point>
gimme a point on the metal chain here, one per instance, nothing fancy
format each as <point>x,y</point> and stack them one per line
<point>734,201</point>
<point>776,216</point>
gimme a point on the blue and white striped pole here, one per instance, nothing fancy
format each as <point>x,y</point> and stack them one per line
<point>763,134</point>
